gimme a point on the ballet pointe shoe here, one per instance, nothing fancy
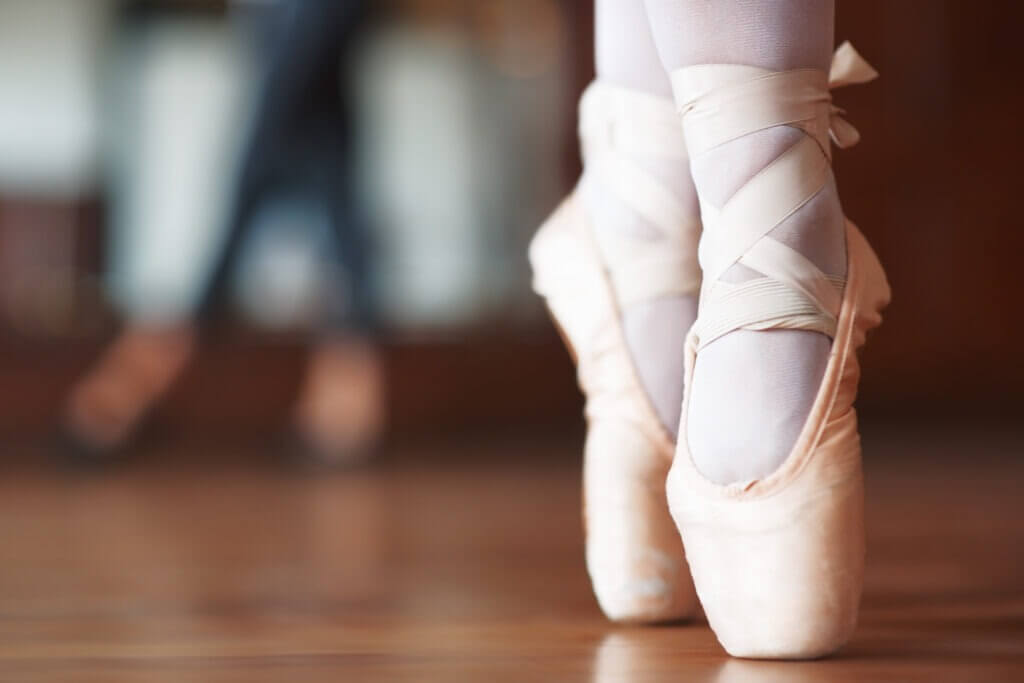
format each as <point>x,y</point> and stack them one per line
<point>105,408</point>
<point>778,562</point>
<point>339,416</point>
<point>633,553</point>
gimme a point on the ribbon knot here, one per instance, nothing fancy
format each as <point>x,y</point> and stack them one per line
<point>848,68</point>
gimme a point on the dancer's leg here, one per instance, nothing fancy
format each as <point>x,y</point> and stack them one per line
<point>752,390</point>
<point>654,329</point>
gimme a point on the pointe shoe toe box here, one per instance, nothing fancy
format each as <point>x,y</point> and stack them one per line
<point>645,586</point>
<point>634,554</point>
<point>779,576</point>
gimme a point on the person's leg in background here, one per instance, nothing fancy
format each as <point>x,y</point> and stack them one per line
<point>299,101</point>
<point>340,411</point>
<point>301,135</point>
<point>617,266</point>
<point>303,140</point>
<point>176,87</point>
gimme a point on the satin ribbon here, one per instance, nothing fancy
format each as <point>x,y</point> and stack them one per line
<point>848,68</point>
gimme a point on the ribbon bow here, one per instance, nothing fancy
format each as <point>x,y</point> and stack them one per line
<point>848,68</point>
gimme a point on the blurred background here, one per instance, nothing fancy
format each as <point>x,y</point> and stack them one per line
<point>237,235</point>
<point>133,182</point>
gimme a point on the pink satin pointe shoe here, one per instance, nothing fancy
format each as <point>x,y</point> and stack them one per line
<point>633,552</point>
<point>778,562</point>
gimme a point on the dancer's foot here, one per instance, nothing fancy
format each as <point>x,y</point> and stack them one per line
<point>754,385</point>
<point>774,531</point>
<point>752,389</point>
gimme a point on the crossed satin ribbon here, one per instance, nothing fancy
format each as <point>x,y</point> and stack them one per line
<point>848,68</point>
<point>749,99</point>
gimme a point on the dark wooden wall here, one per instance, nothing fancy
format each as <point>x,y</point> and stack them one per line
<point>935,184</point>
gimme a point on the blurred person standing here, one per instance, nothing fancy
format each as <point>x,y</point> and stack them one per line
<point>299,150</point>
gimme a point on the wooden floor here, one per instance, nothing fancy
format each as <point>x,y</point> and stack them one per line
<point>463,563</point>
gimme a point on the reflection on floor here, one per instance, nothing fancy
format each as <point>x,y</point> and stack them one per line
<point>462,563</point>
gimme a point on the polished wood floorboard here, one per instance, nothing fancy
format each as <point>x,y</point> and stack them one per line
<point>463,563</point>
